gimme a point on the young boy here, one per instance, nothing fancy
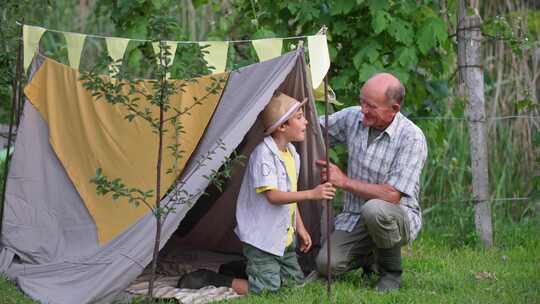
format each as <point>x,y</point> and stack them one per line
<point>266,210</point>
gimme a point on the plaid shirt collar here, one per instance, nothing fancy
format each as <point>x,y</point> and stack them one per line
<point>393,128</point>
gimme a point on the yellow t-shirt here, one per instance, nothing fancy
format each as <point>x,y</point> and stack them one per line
<point>290,167</point>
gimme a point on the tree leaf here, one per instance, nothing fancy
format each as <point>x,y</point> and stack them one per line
<point>368,70</point>
<point>341,7</point>
<point>380,21</point>
<point>439,29</point>
<point>369,52</point>
<point>433,30</point>
<point>401,74</point>
<point>425,39</point>
<point>339,27</point>
<point>406,57</point>
<point>378,5</point>
<point>340,81</point>
<point>401,31</point>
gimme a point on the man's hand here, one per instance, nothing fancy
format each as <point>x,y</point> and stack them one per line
<point>337,177</point>
<point>359,188</point>
<point>305,238</point>
<point>323,192</point>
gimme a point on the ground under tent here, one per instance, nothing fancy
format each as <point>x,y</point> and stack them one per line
<point>49,243</point>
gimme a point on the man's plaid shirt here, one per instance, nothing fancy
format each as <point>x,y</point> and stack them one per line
<point>395,157</point>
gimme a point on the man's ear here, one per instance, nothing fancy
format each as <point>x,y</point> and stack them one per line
<point>396,107</point>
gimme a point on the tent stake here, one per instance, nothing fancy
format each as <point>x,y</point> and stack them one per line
<point>328,202</point>
<point>14,102</point>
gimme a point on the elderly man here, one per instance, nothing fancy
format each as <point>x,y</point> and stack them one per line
<point>386,153</point>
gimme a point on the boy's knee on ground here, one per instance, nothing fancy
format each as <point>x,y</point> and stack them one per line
<point>263,277</point>
<point>264,282</point>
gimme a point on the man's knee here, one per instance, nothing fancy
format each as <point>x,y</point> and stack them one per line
<point>372,211</point>
<point>382,226</point>
<point>337,263</point>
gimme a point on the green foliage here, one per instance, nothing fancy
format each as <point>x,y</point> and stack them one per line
<point>510,29</point>
<point>402,37</point>
<point>432,32</point>
<point>10,12</point>
<point>136,19</point>
<point>219,177</point>
<point>9,294</point>
<point>134,196</point>
<point>365,37</point>
<point>58,14</point>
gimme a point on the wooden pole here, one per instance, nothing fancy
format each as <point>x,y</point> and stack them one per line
<point>472,84</point>
<point>14,102</point>
<point>328,202</point>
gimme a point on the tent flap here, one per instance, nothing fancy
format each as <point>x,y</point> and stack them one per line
<point>87,134</point>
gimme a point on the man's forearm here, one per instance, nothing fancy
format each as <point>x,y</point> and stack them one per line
<point>372,191</point>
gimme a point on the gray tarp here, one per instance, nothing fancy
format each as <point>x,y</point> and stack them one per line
<point>47,227</point>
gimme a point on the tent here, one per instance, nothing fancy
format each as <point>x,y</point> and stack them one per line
<point>50,245</point>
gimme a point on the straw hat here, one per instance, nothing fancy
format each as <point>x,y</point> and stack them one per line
<point>280,108</point>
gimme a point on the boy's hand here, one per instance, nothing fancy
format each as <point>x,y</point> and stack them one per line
<point>324,191</point>
<point>305,239</point>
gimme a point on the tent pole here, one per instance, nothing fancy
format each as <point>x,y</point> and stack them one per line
<point>328,202</point>
<point>14,101</point>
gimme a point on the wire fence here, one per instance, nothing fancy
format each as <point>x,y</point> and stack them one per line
<point>465,118</point>
<point>501,199</point>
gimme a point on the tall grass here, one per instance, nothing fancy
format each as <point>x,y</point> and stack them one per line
<point>446,191</point>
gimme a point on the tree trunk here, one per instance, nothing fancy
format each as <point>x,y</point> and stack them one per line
<point>158,212</point>
<point>472,84</point>
<point>83,12</point>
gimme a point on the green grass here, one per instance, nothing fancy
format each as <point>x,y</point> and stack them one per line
<point>438,272</point>
<point>438,269</point>
<point>9,294</point>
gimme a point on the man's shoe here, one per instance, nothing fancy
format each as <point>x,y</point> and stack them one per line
<point>389,260</point>
<point>204,277</point>
<point>388,282</point>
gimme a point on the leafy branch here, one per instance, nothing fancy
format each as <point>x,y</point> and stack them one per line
<point>119,190</point>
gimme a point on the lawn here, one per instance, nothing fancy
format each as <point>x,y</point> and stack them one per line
<point>439,268</point>
<point>437,271</point>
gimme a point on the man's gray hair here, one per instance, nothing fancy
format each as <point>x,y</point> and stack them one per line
<point>395,94</point>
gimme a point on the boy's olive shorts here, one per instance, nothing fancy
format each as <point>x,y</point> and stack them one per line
<point>269,272</point>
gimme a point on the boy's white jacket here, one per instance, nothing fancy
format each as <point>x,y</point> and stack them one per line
<point>260,223</point>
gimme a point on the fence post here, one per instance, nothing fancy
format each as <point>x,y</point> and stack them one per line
<point>472,84</point>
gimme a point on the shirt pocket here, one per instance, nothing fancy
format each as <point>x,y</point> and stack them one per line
<point>378,164</point>
<point>387,163</point>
